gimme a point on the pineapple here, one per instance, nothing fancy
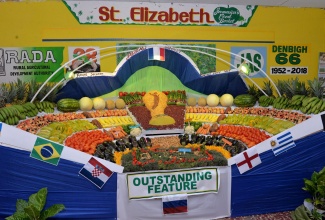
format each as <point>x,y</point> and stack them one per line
<point>21,91</point>
<point>33,86</point>
<point>8,93</point>
<point>268,89</point>
<point>254,91</point>
<point>316,88</point>
<point>295,87</point>
<point>280,84</point>
<point>2,98</point>
<point>52,96</point>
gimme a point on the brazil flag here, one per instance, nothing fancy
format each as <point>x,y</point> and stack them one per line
<point>47,151</point>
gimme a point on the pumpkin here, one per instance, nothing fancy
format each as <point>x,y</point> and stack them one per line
<point>226,100</point>
<point>99,103</point>
<point>212,100</point>
<point>86,104</point>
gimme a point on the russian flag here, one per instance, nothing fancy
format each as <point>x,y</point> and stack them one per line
<point>173,204</point>
<point>156,53</point>
<point>96,172</point>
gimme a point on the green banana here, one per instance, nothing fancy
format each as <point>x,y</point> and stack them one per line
<point>1,118</point>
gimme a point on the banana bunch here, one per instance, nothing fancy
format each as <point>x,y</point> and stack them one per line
<point>312,105</point>
<point>45,106</point>
<point>115,121</point>
<point>296,101</point>
<point>9,115</point>
<point>266,101</point>
<point>30,109</point>
<point>197,117</point>
<point>281,103</point>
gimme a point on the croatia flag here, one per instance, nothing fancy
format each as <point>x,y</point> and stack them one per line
<point>156,53</point>
<point>96,172</point>
<point>173,204</point>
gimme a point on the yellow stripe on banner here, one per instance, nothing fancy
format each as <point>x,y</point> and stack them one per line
<point>118,33</point>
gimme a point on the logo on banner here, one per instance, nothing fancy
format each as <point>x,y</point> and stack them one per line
<point>150,185</point>
<point>247,160</point>
<point>96,172</point>
<point>2,62</point>
<point>256,55</point>
<point>47,151</point>
<point>289,59</point>
<point>162,13</point>
<point>282,143</point>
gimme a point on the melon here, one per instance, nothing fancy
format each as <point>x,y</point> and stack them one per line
<point>212,100</point>
<point>99,103</point>
<point>202,101</point>
<point>120,104</point>
<point>226,100</point>
<point>86,104</point>
<point>191,101</point>
<point>110,104</point>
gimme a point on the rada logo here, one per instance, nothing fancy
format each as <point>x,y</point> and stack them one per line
<point>2,62</point>
<point>256,56</point>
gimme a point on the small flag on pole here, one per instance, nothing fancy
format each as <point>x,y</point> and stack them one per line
<point>173,204</point>
<point>156,53</point>
<point>282,143</point>
<point>247,160</point>
<point>47,151</point>
<point>96,172</point>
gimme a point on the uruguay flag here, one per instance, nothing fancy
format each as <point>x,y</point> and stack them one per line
<point>173,204</point>
<point>156,53</point>
<point>96,172</point>
<point>283,143</point>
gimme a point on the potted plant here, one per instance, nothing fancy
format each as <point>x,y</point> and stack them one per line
<point>316,187</point>
<point>33,208</point>
<point>314,207</point>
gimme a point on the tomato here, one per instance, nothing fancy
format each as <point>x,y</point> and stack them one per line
<point>121,94</point>
<point>143,93</point>
<point>125,93</point>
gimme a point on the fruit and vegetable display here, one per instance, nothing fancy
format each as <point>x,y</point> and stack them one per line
<point>192,130</point>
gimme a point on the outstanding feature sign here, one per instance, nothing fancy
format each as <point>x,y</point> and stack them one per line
<point>156,184</point>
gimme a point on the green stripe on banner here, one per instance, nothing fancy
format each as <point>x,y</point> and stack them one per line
<point>47,151</point>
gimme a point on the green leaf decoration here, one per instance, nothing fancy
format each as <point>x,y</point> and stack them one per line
<point>51,211</point>
<point>38,199</point>
<point>301,213</point>
<point>21,205</point>
<point>33,209</point>
<point>18,216</point>
<point>32,212</point>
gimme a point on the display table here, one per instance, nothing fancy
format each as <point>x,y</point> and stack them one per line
<point>273,186</point>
